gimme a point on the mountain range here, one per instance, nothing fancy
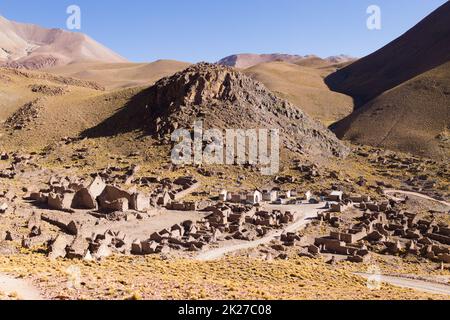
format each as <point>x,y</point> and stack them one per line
<point>396,98</point>
<point>33,47</point>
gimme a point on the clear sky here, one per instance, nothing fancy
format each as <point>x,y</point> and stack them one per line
<point>207,30</point>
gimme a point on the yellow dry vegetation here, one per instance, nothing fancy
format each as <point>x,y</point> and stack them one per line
<point>136,278</point>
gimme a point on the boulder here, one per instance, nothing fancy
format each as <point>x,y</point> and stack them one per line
<point>102,252</point>
<point>444,257</point>
<point>9,236</point>
<point>35,232</point>
<point>61,201</point>
<point>34,221</point>
<point>86,198</point>
<point>149,247</point>
<point>74,228</point>
<point>136,247</point>
<point>375,236</point>
<point>312,249</point>
<point>96,187</point>
<point>26,243</point>
<point>57,247</point>
<point>120,205</point>
<point>109,199</point>
<point>78,249</point>
<point>139,202</point>
<point>39,197</point>
<point>3,207</point>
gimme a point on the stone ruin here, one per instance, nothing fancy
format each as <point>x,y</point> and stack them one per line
<point>223,223</point>
<point>385,230</point>
<point>68,194</point>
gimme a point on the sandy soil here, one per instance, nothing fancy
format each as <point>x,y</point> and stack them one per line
<point>416,284</point>
<point>18,289</point>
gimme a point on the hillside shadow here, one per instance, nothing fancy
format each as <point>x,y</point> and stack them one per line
<point>133,116</point>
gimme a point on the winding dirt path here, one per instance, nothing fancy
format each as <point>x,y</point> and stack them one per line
<point>20,288</point>
<point>416,284</point>
<point>305,213</point>
<point>414,194</point>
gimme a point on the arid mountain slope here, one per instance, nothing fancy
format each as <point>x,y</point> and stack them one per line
<point>40,108</point>
<point>422,48</point>
<point>246,60</point>
<point>33,47</point>
<point>121,75</point>
<point>412,117</point>
<point>303,87</point>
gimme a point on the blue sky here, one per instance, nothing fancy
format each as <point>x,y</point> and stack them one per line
<point>207,30</point>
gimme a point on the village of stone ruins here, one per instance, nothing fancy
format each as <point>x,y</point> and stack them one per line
<point>259,176</point>
<point>97,218</point>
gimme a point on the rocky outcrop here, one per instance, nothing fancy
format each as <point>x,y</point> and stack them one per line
<point>224,98</point>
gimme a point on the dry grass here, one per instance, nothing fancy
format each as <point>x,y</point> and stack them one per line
<point>305,88</point>
<point>233,278</point>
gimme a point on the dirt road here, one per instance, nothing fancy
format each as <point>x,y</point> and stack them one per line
<point>304,215</point>
<point>21,289</point>
<point>414,194</point>
<point>416,284</point>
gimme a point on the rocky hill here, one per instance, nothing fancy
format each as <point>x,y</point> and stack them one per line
<point>227,99</point>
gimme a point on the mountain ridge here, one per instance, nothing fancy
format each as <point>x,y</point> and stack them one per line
<point>31,46</point>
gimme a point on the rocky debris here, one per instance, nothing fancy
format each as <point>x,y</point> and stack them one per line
<point>419,174</point>
<point>115,199</point>
<point>309,171</point>
<point>61,201</point>
<point>25,115</point>
<point>4,156</point>
<point>18,69</point>
<point>26,243</point>
<point>78,249</point>
<point>9,236</point>
<point>57,247</point>
<point>223,223</point>
<point>97,246</point>
<point>274,219</point>
<point>8,173</point>
<point>86,198</point>
<point>225,98</point>
<point>284,179</point>
<point>48,90</point>
<point>63,221</point>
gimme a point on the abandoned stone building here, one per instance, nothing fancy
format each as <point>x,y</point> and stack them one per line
<point>386,230</point>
